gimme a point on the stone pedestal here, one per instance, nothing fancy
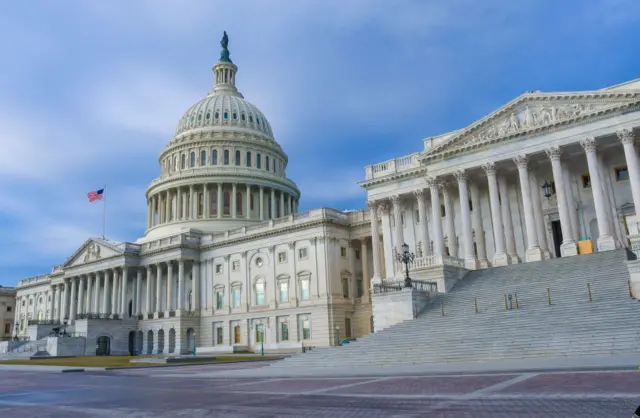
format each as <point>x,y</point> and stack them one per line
<point>568,249</point>
<point>534,254</point>
<point>606,243</point>
<point>501,259</point>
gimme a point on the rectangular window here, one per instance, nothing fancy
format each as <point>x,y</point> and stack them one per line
<point>236,298</point>
<point>219,299</point>
<point>282,257</point>
<point>219,335</point>
<point>236,265</point>
<point>347,327</point>
<point>258,161</point>
<point>214,157</point>
<point>284,331</point>
<point>622,174</point>
<point>259,333</point>
<point>7,328</point>
<point>343,252</point>
<point>304,289</point>
<point>9,308</point>
<point>284,292</point>
<point>345,288</point>
<point>586,181</point>
<point>236,334</point>
<point>260,300</point>
<point>360,288</point>
<point>306,329</point>
<point>302,253</point>
<point>218,268</point>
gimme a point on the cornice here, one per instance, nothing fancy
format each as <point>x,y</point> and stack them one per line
<point>416,172</point>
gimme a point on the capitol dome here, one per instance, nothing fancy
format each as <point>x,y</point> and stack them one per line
<point>223,168</point>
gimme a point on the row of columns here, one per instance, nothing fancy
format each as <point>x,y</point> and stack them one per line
<point>194,202</point>
<point>503,233</point>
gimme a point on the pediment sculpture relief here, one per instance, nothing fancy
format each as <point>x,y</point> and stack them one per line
<point>532,116</point>
<point>93,252</point>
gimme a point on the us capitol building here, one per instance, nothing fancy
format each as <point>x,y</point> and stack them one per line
<point>227,262</point>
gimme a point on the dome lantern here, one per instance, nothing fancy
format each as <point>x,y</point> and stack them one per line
<point>225,72</point>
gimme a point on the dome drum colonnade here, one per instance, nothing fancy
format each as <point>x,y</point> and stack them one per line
<point>475,256</point>
<point>223,163</point>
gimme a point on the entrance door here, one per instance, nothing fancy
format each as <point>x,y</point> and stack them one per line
<point>103,346</point>
<point>132,343</point>
<point>556,231</point>
<point>347,327</point>
<point>130,308</point>
<point>236,334</point>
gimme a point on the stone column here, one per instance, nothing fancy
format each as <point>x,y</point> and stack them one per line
<point>89,301</point>
<point>149,212</point>
<point>627,139</point>
<point>500,257</point>
<point>114,292</point>
<point>470,260</point>
<point>364,258</point>
<point>220,201</point>
<point>375,241</point>
<point>234,200</point>
<point>422,215</point>
<point>52,304</point>
<point>125,284</point>
<point>533,252</point>
<point>281,208</point>
<point>273,203</point>
<point>167,207</point>
<point>478,227</point>
<point>96,292</point>
<point>571,204</point>
<point>170,305</point>
<point>74,292</point>
<point>507,222</point>
<point>148,299</point>
<point>179,209</point>
<point>195,276</point>
<point>180,284</point>
<point>248,202</point>
<point>606,242</point>
<point>288,205</point>
<point>105,294</point>
<point>568,247</point>
<point>206,204</point>
<point>192,203</point>
<point>436,217</point>
<point>81,304</point>
<point>158,287</point>
<point>138,309</point>
<point>452,239</point>
<point>261,203</point>
<point>61,301</point>
<point>155,210</point>
<point>397,216</point>
<point>538,215</point>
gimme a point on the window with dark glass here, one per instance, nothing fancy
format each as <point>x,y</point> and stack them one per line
<point>214,157</point>
<point>226,157</point>
<point>226,203</point>
<point>259,333</point>
<point>284,331</point>
<point>345,288</point>
<point>266,163</point>
<point>219,335</point>
<point>258,161</point>
<point>237,157</point>
<point>203,158</point>
<point>193,159</point>
<point>622,174</point>
<point>248,158</point>
<point>219,299</point>
<point>359,288</point>
<point>306,329</point>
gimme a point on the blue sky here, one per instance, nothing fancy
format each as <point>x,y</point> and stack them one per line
<point>90,92</point>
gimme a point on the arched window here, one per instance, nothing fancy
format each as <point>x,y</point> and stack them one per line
<point>260,292</point>
<point>214,157</point>
<point>274,165</point>
<point>239,203</point>
<point>238,157</point>
<point>183,163</point>
<point>258,161</point>
<point>225,115</point>
<point>248,158</point>
<point>193,160</point>
<point>203,158</point>
<point>226,203</point>
<point>266,163</point>
<point>214,203</point>
<point>226,157</point>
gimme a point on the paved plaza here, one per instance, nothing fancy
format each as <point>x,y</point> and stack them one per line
<point>171,392</point>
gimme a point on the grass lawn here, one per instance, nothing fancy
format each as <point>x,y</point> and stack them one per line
<point>123,361</point>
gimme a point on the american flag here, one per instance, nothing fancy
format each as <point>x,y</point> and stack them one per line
<point>95,195</point>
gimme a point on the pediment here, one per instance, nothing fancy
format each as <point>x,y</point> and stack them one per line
<point>534,113</point>
<point>92,250</point>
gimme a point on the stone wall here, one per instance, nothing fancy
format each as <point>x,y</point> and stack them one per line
<point>66,346</point>
<point>391,308</point>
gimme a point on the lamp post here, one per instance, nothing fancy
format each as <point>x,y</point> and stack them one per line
<point>546,188</point>
<point>337,335</point>
<point>406,257</point>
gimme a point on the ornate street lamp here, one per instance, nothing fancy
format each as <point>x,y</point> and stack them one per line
<point>406,257</point>
<point>546,188</point>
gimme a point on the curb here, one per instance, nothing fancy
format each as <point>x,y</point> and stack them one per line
<point>184,365</point>
<point>71,370</point>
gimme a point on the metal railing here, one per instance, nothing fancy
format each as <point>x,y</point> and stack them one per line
<point>15,338</point>
<point>43,322</point>
<point>96,315</point>
<point>172,314</point>
<point>190,313</point>
<point>389,286</point>
<point>68,334</point>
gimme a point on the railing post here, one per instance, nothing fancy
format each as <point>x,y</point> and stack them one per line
<point>506,305</point>
<point>517,307</point>
<point>630,292</point>
<point>589,291</point>
<point>549,295</point>
<point>442,308</point>
<point>475,303</point>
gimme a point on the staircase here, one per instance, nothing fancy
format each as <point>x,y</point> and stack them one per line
<point>570,326</point>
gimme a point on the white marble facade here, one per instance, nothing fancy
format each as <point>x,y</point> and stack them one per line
<point>228,262</point>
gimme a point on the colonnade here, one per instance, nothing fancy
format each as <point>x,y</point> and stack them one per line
<point>217,201</point>
<point>503,231</point>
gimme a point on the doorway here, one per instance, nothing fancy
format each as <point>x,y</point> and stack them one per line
<point>132,343</point>
<point>103,346</point>
<point>130,308</point>
<point>556,232</point>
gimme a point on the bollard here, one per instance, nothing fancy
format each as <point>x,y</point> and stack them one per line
<point>442,308</point>
<point>549,295</point>
<point>589,291</point>
<point>506,305</point>
<point>630,292</point>
<point>517,307</point>
<point>475,303</point>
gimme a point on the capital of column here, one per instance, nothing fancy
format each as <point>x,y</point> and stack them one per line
<point>395,199</point>
<point>444,187</point>
<point>625,136</point>
<point>521,162</point>
<point>291,245</point>
<point>553,153</point>
<point>383,208</point>
<point>372,204</point>
<point>489,168</point>
<point>461,176</point>
<point>589,145</point>
<point>432,182</point>
<point>419,194</point>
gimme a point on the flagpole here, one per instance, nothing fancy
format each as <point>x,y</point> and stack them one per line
<point>104,209</point>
